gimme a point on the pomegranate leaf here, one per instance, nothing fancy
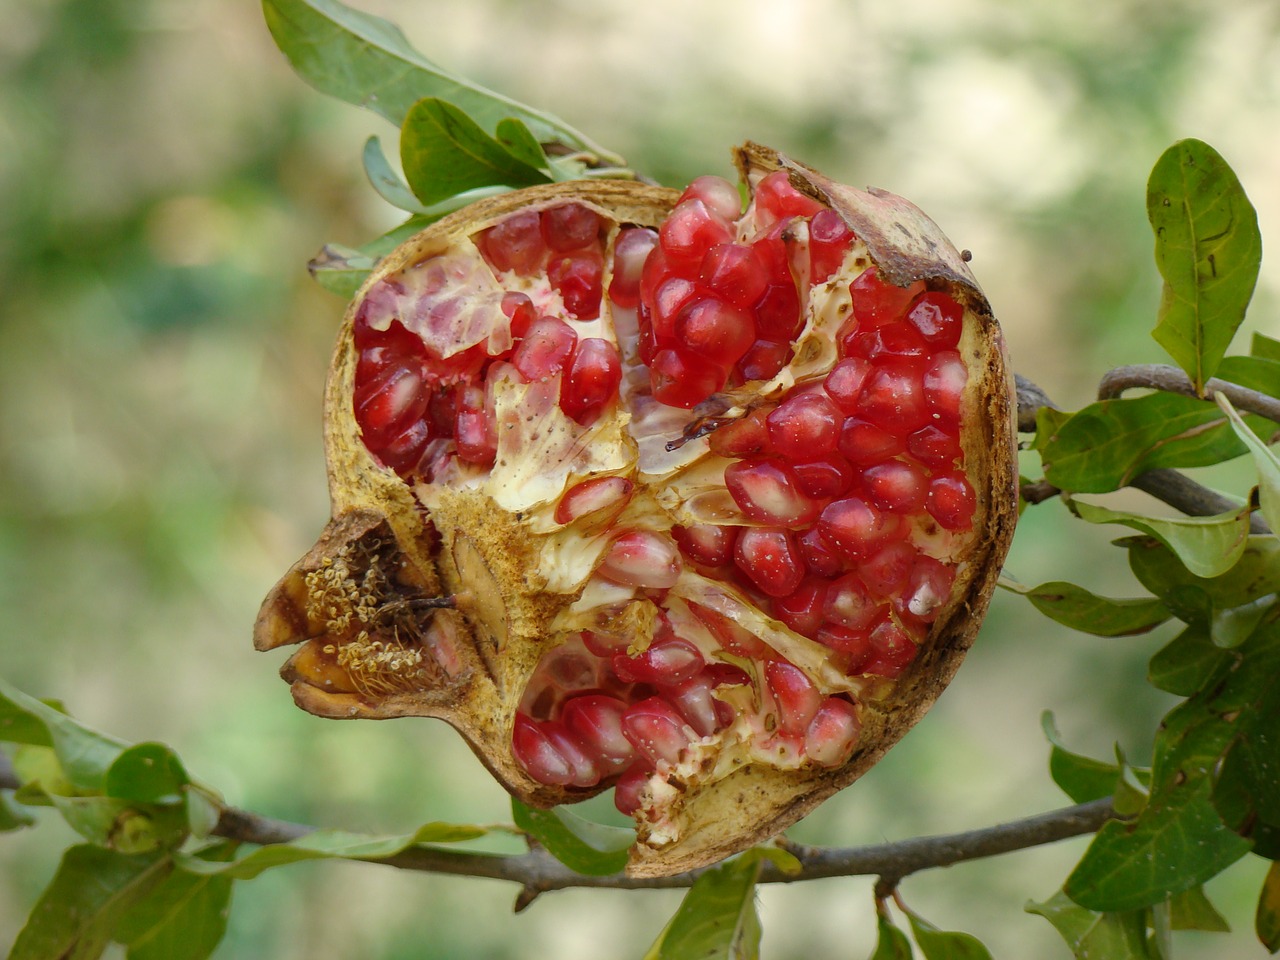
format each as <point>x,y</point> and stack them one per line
<point>341,269</point>
<point>938,944</point>
<point>580,844</point>
<point>83,754</point>
<point>520,143</point>
<point>445,153</point>
<point>13,815</point>
<point>1257,373</point>
<point>1268,464</point>
<point>385,181</point>
<point>77,913</point>
<point>1081,778</point>
<point>368,61</point>
<point>1207,546</point>
<point>1208,250</point>
<point>1264,347</point>
<point>717,919</point>
<point>1115,936</point>
<point>1230,605</point>
<point>147,773</point>
<point>891,943</point>
<point>1075,607</point>
<point>1267,918</point>
<point>184,918</point>
<point>1181,666</point>
<point>1191,910</point>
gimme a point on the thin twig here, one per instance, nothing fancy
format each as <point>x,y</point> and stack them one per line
<point>1160,376</point>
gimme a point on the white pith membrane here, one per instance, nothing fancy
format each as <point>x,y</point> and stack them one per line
<point>452,301</point>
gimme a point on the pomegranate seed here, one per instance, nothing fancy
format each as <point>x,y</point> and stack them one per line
<point>848,604</point>
<point>702,711</point>
<point>720,196</point>
<point>518,308</point>
<point>742,437</point>
<point>443,411</point>
<point>592,381</point>
<point>402,453</point>
<point>822,479</point>
<point>951,501</point>
<point>818,556</point>
<point>731,636</point>
<point>656,729</point>
<point>928,588</point>
<point>390,402</point>
<point>722,674</point>
<point>597,495</point>
<point>764,359</point>
<point>934,446</point>
<point>629,788</point>
<point>687,233</point>
<point>604,645</point>
<point>845,381</point>
<point>474,429</point>
<point>876,303</point>
<point>569,226</point>
<point>804,426</point>
<point>894,398</point>
<point>577,278</point>
<point>864,443</point>
<point>943,385</point>
<point>734,273</point>
<point>545,350</point>
<point>514,244</point>
<point>596,721</point>
<point>895,485</point>
<point>886,571</point>
<point>794,697</point>
<point>538,754</point>
<point>706,543</point>
<point>937,317</point>
<point>853,645</point>
<point>829,239</point>
<point>855,529</point>
<point>682,379</point>
<point>672,294</point>
<point>716,330</point>
<point>585,768</point>
<point>802,610</point>
<point>629,255</point>
<point>642,558</point>
<point>778,312</point>
<point>891,651</point>
<point>666,662</point>
<point>382,299</point>
<point>777,199</point>
<point>891,340</point>
<point>769,557</point>
<point>768,491</point>
<point>832,733</point>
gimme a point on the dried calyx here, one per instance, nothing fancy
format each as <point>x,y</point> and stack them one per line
<point>641,490</point>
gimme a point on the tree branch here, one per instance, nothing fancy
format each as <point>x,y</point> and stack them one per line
<point>1160,376</point>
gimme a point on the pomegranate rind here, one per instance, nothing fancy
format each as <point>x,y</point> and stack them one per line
<point>479,544</point>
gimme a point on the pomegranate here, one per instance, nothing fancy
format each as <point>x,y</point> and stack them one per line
<point>640,489</point>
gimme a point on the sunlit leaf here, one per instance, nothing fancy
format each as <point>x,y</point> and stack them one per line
<point>1081,778</point>
<point>520,143</point>
<point>146,773</point>
<point>1267,917</point>
<point>1096,936</point>
<point>717,919</point>
<point>580,844</point>
<point>184,918</point>
<point>938,944</point>
<point>1207,546</point>
<point>1075,607</point>
<point>386,181</point>
<point>891,943</point>
<point>1208,250</point>
<point>83,754</point>
<point>1268,464</point>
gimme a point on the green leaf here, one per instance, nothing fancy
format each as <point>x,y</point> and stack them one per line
<point>520,143</point>
<point>1256,373</point>
<point>1268,464</point>
<point>1182,665</point>
<point>84,754</point>
<point>76,914</point>
<point>1207,546</point>
<point>1267,918</point>
<point>147,773</point>
<point>717,919</point>
<point>580,844</point>
<point>445,153</point>
<point>184,918</point>
<point>367,61</point>
<point>341,269</point>
<point>1194,599</point>
<point>1191,910</point>
<point>1096,936</point>
<point>1107,444</point>
<point>329,845</point>
<point>1208,250</point>
<point>1265,347</point>
<point>1077,608</point>
<point>938,944</point>
<point>1081,778</point>
<point>891,943</point>
<point>109,822</point>
<point>386,181</point>
<point>13,815</point>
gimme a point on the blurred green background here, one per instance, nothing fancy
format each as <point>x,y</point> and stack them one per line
<point>164,178</point>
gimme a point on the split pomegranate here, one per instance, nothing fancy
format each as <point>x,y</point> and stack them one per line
<point>642,489</point>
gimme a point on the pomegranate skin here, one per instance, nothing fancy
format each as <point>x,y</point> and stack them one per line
<point>434,599</point>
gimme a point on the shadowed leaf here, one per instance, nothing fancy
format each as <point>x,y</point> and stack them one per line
<point>1077,608</point>
<point>580,844</point>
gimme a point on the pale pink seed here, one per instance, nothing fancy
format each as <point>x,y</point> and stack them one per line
<point>928,588</point>
<point>886,571</point>
<point>804,427</point>
<point>849,604</point>
<point>585,769</point>
<point>854,528</point>
<point>642,558</point>
<point>666,662</point>
<point>592,496</point>
<point>795,699</point>
<point>720,196</point>
<point>597,722</point>
<point>769,556</point>
<point>703,712</point>
<point>706,543</point>
<point>629,254</point>
<point>768,491</point>
<point>896,486</point>
<point>538,755</point>
<point>656,729</point>
<point>943,386</point>
<point>630,786</point>
<point>832,733</point>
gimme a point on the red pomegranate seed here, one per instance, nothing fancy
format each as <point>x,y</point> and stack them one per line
<point>642,558</point>
<point>443,411</point>
<point>937,317</point>
<point>390,402</point>
<point>891,651</point>
<point>934,447</point>
<point>764,359</point>
<point>577,277</point>
<point>706,543</point>
<point>864,443</point>
<point>845,382</point>
<point>818,555</point>
<point>826,478</point>
<point>853,645</point>
<point>832,733</point>
<point>742,437</point>
<point>592,381</point>
<point>713,329</point>
<point>604,644</point>
<point>682,379</point>
<point>570,226</point>
<point>778,199</point>
<point>928,588</point>
<point>585,768</point>
<point>731,636</point>
<point>896,485</point>
<point>734,273</point>
<point>848,604</point>
<point>596,721</point>
<point>514,244</point>
<point>795,699</point>
<point>402,453</point>
<point>943,385</point>
<point>770,558</point>
<point>768,491</point>
<point>597,495</point>
<point>804,426</point>
<point>382,299</point>
<point>802,610</point>
<point>672,294</point>
<point>688,232</point>
<point>894,398</point>
<point>829,239</point>
<point>721,674</point>
<point>629,254</point>
<point>951,501</point>
<point>629,788</point>
<point>546,349</point>
<point>720,196</point>
<point>475,431</point>
<point>876,302</point>
<point>890,340</point>
<point>885,572</point>
<point>656,729</point>
<point>518,308</point>
<point>695,702</point>
<point>538,754</point>
<point>778,313</point>
<point>855,529</point>
<point>666,662</point>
